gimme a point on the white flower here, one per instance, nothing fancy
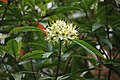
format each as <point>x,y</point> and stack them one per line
<point>2,38</point>
<point>61,30</point>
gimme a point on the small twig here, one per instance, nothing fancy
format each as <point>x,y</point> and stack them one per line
<point>106,7</point>
<point>116,55</point>
<point>109,74</point>
<point>59,59</point>
<point>88,17</point>
<point>107,27</point>
<point>102,47</point>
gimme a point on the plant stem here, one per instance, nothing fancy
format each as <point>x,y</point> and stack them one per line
<point>59,58</point>
<point>116,55</point>
<point>107,27</point>
<point>101,47</point>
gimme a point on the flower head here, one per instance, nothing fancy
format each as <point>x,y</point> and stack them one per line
<point>61,30</point>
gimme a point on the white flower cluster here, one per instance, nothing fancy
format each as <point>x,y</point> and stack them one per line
<point>2,38</point>
<point>61,30</point>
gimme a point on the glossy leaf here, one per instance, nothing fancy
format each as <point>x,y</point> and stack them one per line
<point>106,41</point>
<point>33,55</point>
<point>24,29</point>
<point>96,26</point>
<point>14,47</point>
<point>89,48</point>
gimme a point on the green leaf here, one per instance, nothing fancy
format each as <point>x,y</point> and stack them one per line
<point>36,45</point>
<point>34,54</point>
<point>89,48</point>
<point>24,29</point>
<point>14,47</point>
<point>61,10</point>
<point>96,26</point>
<point>106,41</point>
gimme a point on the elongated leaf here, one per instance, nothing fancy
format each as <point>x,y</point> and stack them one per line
<point>36,45</point>
<point>61,10</point>
<point>14,47</point>
<point>106,41</point>
<point>33,54</point>
<point>96,26</point>
<point>89,48</point>
<point>24,29</point>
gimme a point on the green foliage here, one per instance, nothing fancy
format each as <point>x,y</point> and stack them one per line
<point>25,54</point>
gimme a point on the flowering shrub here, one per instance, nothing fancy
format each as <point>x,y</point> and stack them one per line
<point>27,34</point>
